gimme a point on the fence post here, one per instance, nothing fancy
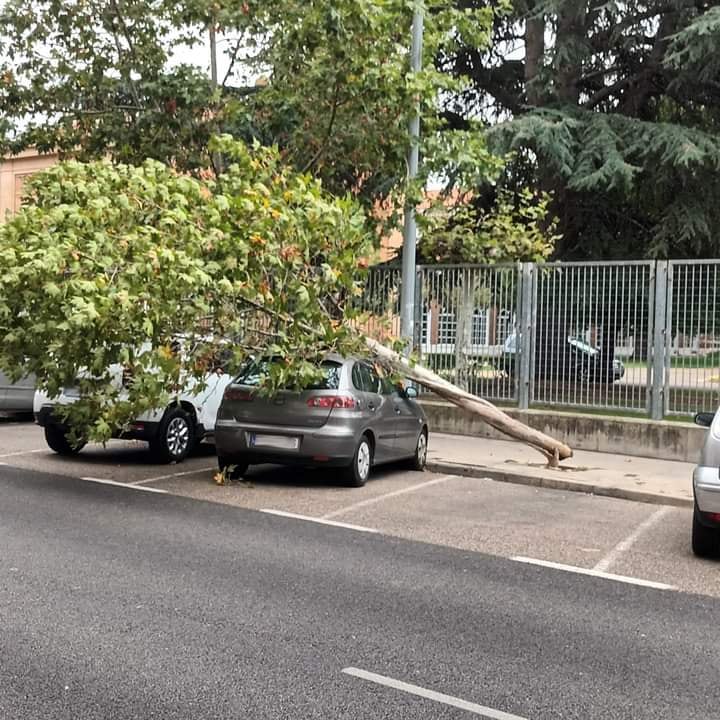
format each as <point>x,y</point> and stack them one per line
<point>418,321</point>
<point>659,345</point>
<point>524,335</point>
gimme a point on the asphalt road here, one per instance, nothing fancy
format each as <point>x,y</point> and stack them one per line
<point>117,603</point>
<point>592,533</point>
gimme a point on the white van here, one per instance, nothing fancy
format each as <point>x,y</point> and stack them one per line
<point>171,432</point>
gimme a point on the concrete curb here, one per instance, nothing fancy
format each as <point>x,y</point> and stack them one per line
<point>552,483</point>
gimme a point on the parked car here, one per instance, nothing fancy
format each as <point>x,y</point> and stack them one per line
<point>16,397</point>
<point>579,360</point>
<point>171,432</point>
<point>351,419</point>
<point>706,490</point>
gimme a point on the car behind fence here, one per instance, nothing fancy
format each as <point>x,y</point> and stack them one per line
<point>641,337</point>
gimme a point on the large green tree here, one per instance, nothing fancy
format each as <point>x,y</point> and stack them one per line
<point>327,81</point>
<point>613,107</point>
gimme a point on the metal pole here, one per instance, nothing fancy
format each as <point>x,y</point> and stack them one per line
<point>407,289</point>
<point>216,159</point>
<point>659,345</point>
<point>213,54</point>
<point>524,337</point>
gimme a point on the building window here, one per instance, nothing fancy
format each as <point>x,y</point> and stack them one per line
<point>447,328</point>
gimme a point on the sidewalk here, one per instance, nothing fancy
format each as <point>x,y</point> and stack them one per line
<point>633,478</point>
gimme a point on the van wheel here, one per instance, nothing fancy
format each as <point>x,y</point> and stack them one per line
<point>705,540</point>
<point>57,440</point>
<point>175,438</point>
<point>358,472</point>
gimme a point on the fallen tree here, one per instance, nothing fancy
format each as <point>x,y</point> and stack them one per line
<point>110,264</point>
<point>552,449</point>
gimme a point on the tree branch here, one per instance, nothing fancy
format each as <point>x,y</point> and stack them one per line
<point>609,90</point>
<point>328,132</point>
<point>233,58</point>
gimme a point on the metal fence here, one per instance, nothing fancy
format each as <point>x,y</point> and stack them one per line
<point>566,335</point>
<point>692,337</point>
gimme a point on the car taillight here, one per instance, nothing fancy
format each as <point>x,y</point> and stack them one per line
<point>332,401</point>
<point>237,394</point>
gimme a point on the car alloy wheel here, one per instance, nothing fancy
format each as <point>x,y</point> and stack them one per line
<point>177,436</point>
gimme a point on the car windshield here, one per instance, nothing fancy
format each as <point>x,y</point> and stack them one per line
<point>255,371</point>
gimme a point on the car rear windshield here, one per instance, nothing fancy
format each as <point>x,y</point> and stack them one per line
<point>254,372</point>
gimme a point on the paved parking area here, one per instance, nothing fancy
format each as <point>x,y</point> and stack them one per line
<point>642,541</point>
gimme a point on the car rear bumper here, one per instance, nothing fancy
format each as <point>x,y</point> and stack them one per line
<point>323,446</point>
<point>706,486</point>
<point>140,430</point>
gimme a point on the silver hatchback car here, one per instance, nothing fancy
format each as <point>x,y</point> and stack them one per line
<point>352,419</point>
<point>706,488</point>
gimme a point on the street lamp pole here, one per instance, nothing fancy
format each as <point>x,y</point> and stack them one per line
<point>407,289</point>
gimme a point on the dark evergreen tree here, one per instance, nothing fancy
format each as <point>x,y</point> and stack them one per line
<point>613,107</point>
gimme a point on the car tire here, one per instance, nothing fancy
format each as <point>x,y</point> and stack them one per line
<point>419,460</point>
<point>57,440</point>
<point>237,469</point>
<point>175,437</point>
<point>705,540</point>
<point>358,472</point>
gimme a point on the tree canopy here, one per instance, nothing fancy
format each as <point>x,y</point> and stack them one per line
<point>326,81</point>
<point>114,264</point>
<point>609,109</point>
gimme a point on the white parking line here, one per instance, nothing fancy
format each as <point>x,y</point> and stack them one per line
<point>103,481</point>
<point>481,710</point>
<point>321,521</point>
<point>23,452</point>
<point>380,498</point>
<point>624,545</point>
<point>594,573</point>
<point>173,475</point>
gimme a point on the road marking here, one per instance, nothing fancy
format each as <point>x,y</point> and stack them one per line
<point>321,521</point>
<point>173,475</point>
<point>23,452</point>
<point>481,710</point>
<point>594,573</point>
<point>624,545</point>
<point>102,481</point>
<point>385,496</point>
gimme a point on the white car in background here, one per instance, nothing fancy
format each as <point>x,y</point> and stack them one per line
<point>706,490</point>
<point>171,432</point>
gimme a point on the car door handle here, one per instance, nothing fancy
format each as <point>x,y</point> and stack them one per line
<point>371,407</point>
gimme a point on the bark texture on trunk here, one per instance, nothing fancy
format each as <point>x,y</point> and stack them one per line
<point>553,450</point>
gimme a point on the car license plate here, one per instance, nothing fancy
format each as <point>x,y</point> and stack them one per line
<point>281,442</point>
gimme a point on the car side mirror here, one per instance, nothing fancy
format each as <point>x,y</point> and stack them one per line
<point>704,419</point>
<point>411,393</point>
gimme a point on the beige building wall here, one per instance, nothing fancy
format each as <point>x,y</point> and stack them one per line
<point>13,172</point>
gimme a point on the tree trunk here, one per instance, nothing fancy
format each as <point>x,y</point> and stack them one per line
<point>534,52</point>
<point>464,313</point>
<point>553,450</point>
